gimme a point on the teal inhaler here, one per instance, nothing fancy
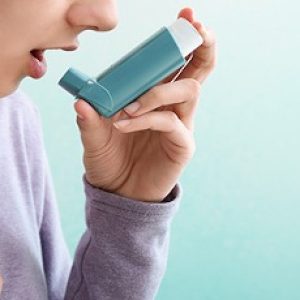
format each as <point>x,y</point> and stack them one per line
<point>141,69</point>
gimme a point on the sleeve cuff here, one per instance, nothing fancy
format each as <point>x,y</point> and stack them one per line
<point>128,208</point>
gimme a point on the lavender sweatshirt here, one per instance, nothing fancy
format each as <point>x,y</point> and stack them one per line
<point>121,255</point>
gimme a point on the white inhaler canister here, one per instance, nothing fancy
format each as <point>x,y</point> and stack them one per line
<point>135,73</point>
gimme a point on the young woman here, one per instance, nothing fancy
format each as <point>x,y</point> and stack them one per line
<point>132,161</point>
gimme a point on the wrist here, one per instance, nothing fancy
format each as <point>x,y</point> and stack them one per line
<point>136,195</point>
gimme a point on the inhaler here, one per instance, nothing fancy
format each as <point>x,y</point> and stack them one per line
<point>134,74</point>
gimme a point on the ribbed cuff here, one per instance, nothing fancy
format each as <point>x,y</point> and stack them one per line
<point>133,209</point>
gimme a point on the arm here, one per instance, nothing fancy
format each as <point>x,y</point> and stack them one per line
<point>123,253</point>
<point>138,154</point>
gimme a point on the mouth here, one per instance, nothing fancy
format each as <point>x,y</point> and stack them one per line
<point>38,64</point>
<point>38,54</point>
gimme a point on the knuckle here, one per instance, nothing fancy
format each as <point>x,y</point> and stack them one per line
<point>147,119</point>
<point>210,40</point>
<point>194,87</point>
<point>213,64</point>
<point>214,59</point>
<point>190,149</point>
<point>173,117</point>
<point>156,92</point>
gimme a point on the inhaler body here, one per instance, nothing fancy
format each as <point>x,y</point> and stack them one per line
<point>142,68</point>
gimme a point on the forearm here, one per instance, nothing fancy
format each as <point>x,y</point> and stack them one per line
<point>123,253</point>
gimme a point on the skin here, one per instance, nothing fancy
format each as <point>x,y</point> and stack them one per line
<point>138,155</point>
<point>141,155</point>
<point>30,24</point>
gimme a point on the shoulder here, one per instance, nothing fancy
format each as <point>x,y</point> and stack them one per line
<point>20,120</point>
<point>19,109</point>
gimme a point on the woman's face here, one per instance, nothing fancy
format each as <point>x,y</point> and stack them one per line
<point>28,25</point>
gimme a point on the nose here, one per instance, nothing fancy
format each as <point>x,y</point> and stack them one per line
<point>98,15</point>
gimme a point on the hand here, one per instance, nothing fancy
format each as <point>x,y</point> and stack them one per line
<point>142,154</point>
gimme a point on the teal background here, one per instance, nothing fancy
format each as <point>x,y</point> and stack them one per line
<point>236,236</point>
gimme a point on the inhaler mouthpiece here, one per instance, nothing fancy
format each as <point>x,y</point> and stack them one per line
<point>73,81</point>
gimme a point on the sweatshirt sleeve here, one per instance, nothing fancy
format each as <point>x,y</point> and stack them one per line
<point>123,253</point>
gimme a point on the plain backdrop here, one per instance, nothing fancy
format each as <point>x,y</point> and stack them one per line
<point>236,235</point>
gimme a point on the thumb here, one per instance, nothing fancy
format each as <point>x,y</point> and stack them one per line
<point>93,127</point>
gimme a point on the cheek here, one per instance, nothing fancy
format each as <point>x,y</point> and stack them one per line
<point>32,22</point>
<point>16,34</point>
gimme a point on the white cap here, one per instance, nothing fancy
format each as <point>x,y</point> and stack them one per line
<point>186,36</point>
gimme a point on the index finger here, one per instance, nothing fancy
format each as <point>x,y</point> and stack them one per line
<point>204,57</point>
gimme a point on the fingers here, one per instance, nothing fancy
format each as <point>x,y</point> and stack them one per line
<point>204,59</point>
<point>205,56</point>
<point>94,129</point>
<point>187,13</point>
<point>182,94</point>
<point>164,121</point>
<point>207,35</point>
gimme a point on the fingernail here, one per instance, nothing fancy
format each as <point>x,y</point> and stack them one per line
<point>132,108</point>
<point>121,123</point>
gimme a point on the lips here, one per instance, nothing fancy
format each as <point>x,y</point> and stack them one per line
<point>38,64</point>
